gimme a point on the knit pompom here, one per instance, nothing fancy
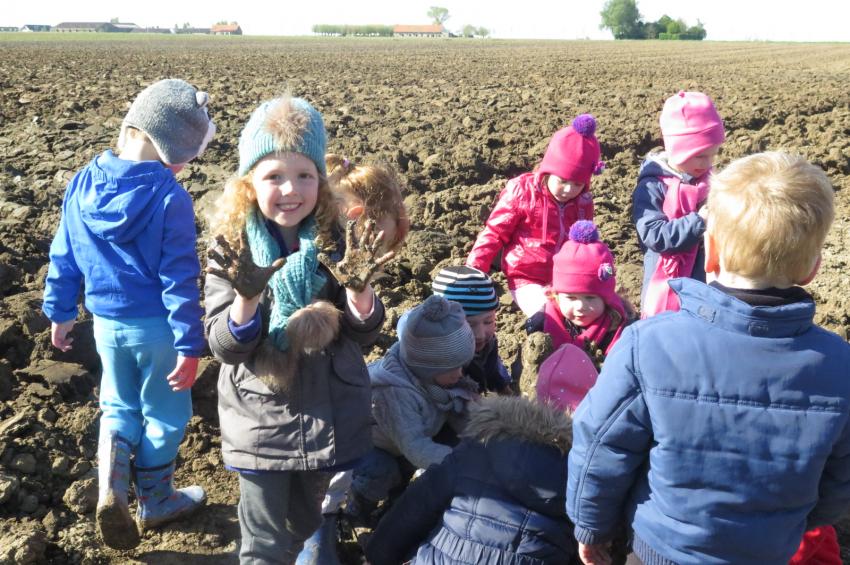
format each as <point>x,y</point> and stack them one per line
<point>435,308</point>
<point>584,125</point>
<point>584,231</point>
<point>286,122</point>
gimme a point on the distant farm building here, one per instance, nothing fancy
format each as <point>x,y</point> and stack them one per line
<point>226,29</point>
<point>125,28</point>
<point>77,27</point>
<point>193,30</point>
<point>436,30</point>
<point>35,27</point>
<point>8,28</point>
<point>151,30</point>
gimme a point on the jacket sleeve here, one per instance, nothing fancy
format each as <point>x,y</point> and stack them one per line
<point>397,412</point>
<point>497,231</point>
<point>64,278</point>
<point>834,489</point>
<point>412,517</point>
<point>218,296</point>
<point>179,270</point>
<point>655,230</point>
<point>611,440</point>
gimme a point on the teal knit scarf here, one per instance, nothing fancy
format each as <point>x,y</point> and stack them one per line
<point>297,283</point>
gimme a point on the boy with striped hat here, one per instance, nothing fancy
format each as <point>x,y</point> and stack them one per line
<point>476,292</point>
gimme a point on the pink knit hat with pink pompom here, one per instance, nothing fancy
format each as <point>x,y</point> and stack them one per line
<point>573,152</point>
<point>565,377</point>
<point>689,124</point>
<point>585,265</point>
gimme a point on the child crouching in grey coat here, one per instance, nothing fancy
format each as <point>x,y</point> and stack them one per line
<point>417,389</point>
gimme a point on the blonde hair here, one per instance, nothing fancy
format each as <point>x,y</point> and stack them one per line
<point>376,187</point>
<point>239,199</point>
<point>769,214</point>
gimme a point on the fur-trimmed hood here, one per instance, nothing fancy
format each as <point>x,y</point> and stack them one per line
<point>518,418</point>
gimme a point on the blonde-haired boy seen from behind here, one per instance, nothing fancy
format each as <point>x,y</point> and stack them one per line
<point>725,435</point>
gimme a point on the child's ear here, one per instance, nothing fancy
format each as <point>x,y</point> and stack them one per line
<point>814,272</point>
<point>712,255</point>
<point>355,212</point>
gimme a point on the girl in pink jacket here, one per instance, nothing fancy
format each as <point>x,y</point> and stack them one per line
<point>535,210</point>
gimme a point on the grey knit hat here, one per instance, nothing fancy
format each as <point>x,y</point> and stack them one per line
<point>173,114</point>
<point>435,337</point>
<point>283,125</point>
<point>472,288</point>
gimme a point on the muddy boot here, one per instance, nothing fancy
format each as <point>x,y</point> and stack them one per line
<point>114,523</point>
<point>320,548</point>
<point>159,502</point>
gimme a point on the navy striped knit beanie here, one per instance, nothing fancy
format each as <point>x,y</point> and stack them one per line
<point>435,337</point>
<point>472,288</point>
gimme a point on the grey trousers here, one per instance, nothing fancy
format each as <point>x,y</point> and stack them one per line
<point>277,512</point>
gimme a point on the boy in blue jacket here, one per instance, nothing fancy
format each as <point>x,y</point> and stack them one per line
<point>720,433</point>
<point>127,234</point>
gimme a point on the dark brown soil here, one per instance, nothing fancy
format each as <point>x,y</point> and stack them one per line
<point>455,117</point>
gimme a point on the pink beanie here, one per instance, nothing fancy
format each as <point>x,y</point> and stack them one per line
<point>689,124</point>
<point>573,152</point>
<point>585,265</point>
<point>565,377</point>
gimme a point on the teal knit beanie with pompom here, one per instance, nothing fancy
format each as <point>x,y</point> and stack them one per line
<point>283,125</point>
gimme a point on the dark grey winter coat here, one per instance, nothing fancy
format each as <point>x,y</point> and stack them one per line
<point>322,419</point>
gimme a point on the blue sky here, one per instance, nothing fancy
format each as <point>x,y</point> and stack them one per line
<point>773,20</point>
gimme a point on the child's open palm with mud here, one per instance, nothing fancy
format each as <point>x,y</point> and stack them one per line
<point>238,268</point>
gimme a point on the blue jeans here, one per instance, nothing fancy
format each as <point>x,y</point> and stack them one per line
<point>137,403</point>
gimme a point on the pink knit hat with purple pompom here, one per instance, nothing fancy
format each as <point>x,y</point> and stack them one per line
<point>573,152</point>
<point>585,265</point>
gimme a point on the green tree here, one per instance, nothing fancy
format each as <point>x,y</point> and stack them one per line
<point>468,30</point>
<point>663,22</point>
<point>438,14</point>
<point>697,31</point>
<point>482,32</point>
<point>622,18</point>
<point>114,21</point>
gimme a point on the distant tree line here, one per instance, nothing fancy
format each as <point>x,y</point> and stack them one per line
<point>624,20</point>
<point>361,30</point>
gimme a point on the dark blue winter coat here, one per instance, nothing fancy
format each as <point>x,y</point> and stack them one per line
<point>496,499</point>
<point>656,232</point>
<point>128,232</point>
<point>719,433</point>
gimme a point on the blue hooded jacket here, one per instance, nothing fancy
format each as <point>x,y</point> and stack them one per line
<point>656,232</point>
<point>128,232</point>
<point>718,433</point>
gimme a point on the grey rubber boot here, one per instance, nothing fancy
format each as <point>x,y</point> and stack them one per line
<point>114,523</point>
<point>320,548</point>
<point>159,501</point>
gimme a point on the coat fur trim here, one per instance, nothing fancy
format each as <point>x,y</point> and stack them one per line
<point>515,417</point>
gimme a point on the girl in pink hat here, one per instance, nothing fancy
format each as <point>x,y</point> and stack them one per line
<point>583,307</point>
<point>534,213</point>
<point>672,186</point>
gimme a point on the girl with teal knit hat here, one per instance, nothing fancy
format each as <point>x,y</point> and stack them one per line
<point>294,397</point>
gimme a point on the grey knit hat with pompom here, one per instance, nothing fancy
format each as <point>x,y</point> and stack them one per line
<point>173,114</point>
<point>435,337</point>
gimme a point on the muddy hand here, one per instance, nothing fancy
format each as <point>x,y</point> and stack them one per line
<point>248,279</point>
<point>360,263</point>
<point>595,353</point>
